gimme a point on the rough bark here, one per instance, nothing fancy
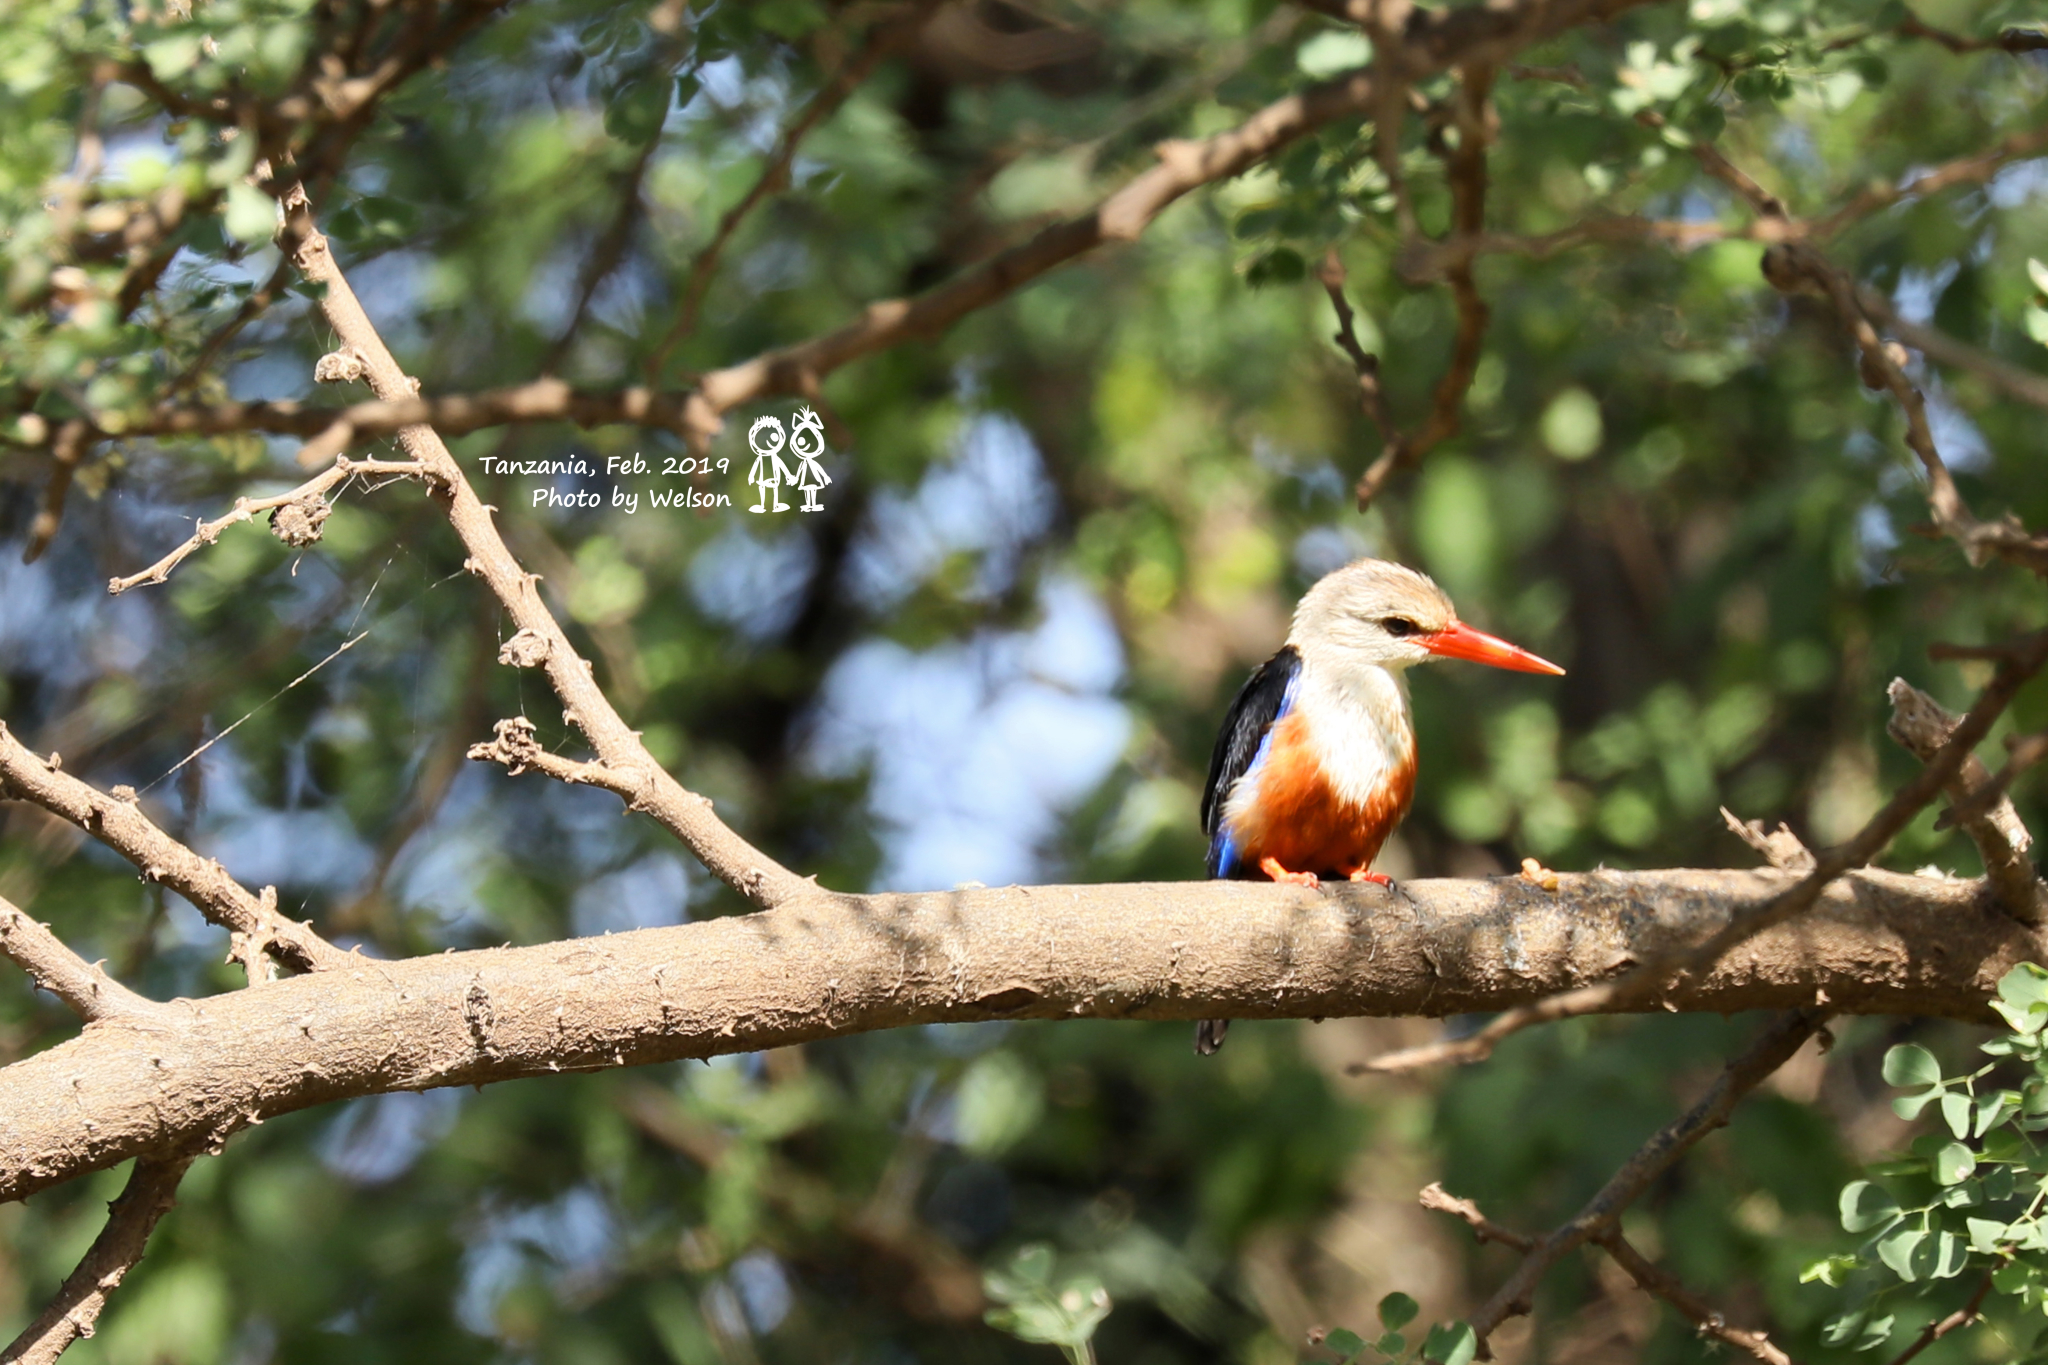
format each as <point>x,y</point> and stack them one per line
<point>822,965</point>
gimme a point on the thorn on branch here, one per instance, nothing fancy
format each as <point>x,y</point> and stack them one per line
<point>1781,848</point>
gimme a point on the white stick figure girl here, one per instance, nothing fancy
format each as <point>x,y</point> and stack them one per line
<point>765,439</point>
<point>807,443</point>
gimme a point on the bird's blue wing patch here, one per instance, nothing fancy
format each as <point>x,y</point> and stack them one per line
<point>1241,747</point>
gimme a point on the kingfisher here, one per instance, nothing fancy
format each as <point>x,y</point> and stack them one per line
<point>1315,764</point>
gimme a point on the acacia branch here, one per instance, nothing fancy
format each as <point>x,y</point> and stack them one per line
<point>1650,1277</point>
<point>74,1313</point>
<point>1922,725</point>
<point>309,499</point>
<point>1432,41</point>
<point>683,813</point>
<point>825,965</point>
<point>1980,540</point>
<point>1466,166</point>
<point>1655,976</point>
<point>118,822</point>
<point>1658,1282</point>
<point>1941,1327</point>
<point>1784,1036</point>
<point>84,986</point>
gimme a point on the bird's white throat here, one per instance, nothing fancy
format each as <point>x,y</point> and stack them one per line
<point>1359,725</point>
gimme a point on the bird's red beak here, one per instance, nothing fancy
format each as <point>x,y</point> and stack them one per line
<point>1460,641</point>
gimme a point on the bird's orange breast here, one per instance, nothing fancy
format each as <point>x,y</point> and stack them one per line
<point>1298,818</point>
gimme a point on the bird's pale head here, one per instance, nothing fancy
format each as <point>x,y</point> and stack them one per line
<point>1374,611</point>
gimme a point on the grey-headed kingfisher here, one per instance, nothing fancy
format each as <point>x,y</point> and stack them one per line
<point>1315,764</point>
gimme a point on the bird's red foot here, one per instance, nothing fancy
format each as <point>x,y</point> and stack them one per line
<point>1366,874</point>
<point>1271,867</point>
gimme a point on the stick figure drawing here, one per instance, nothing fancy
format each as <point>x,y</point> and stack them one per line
<point>769,473</point>
<point>807,443</point>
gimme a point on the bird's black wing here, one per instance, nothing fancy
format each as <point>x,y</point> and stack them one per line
<point>1262,700</point>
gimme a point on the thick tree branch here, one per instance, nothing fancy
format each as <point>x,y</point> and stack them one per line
<point>75,1312</point>
<point>584,705</point>
<point>825,965</point>
<point>1656,975</point>
<point>85,987</point>
<point>118,822</point>
<point>1785,1035</point>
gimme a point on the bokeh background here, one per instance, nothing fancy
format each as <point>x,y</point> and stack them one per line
<point>1063,533</point>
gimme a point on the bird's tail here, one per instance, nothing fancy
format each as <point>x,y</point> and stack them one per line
<point>1209,1035</point>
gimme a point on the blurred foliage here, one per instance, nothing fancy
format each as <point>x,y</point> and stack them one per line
<point>1067,529</point>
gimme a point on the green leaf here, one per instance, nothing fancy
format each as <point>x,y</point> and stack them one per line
<point>999,1102</point>
<point>1345,1342</point>
<point>1450,1343</point>
<point>1332,51</point>
<point>1909,1107</point>
<point>1985,1234</point>
<point>1896,1250</point>
<point>2035,321</point>
<point>2013,1277</point>
<point>1911,1064</point>
<point>1282,265</point>
<point>170,58</point>
<point>1955,1112</point>
<point>1993,1109</point>
<point>251,215</point>
<point>1951,1254</point>
<point>1831,1271</point>
<point>1391,1344</point>
<point>1865,1206</point>
<point>1033,1308</point>
<point>2038,273</point>
<point>1397,1310</point>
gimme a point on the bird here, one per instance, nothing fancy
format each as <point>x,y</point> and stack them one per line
<point>1315,763</point>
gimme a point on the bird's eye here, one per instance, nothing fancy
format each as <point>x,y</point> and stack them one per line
<point>1398,626</point>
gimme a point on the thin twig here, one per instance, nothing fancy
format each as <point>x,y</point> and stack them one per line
<point>75,1311</point>
<point>1437,1199</point>
<point>1935,1331</point>
<point>2024,751</point>
<point>311,494</point>
<point>1466,165</point>
<point>67,448</point>
<point>644,784</point>
<point>52,966</point>
<point>1785,1035</point>
<point>1651,1278</point>
<point>881,40</point>
<point>1661,1283</point>
<point>118,822</point>
<point>1372,396</point>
